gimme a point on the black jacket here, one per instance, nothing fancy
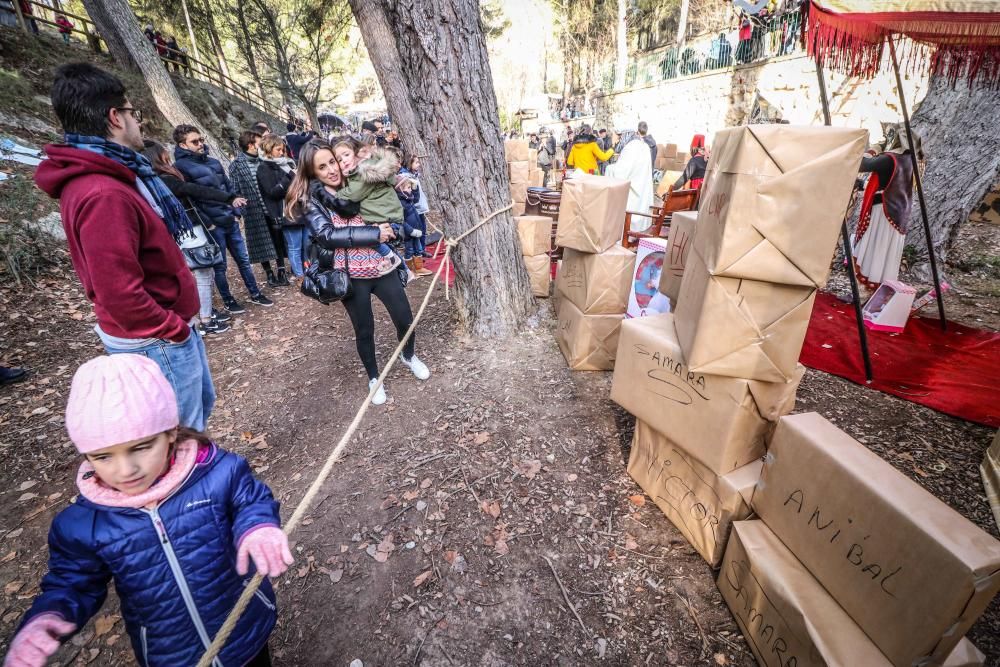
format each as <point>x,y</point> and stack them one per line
<point>318,212</point>
<point>273,182</point>
<point>202,169</point>
<point>190,194</point>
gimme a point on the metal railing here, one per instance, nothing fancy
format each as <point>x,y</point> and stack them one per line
<point>179,61</point>
<point>768,38</point>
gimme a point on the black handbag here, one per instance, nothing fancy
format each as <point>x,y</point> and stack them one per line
<point>327,285</point>
<point>203,252</point>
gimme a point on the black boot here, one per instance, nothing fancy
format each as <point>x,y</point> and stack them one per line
<point>272,280</point>
<point>12,375</point>
<point>282,277</point>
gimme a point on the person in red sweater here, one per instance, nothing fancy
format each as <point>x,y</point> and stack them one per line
<point>122,225</point>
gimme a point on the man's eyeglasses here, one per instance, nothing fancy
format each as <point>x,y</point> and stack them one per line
<point>132,110</point>
<point>195,142</point>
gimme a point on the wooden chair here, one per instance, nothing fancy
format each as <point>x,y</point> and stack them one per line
<point>677,200</point>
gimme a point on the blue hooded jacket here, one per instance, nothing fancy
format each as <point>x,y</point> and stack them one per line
<point>205,170</point>
<point>174,567</point>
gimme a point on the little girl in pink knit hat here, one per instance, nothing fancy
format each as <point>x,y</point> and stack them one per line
<point>172,519</point>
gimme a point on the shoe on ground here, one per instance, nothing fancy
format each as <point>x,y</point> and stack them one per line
<point>234,307</point>
<point>424,272</point>
<point>379,398</point>
<point>262,300</point>
<point>221,315</point>
<point>12,375</point>
<point>419,368</point>
<point>214,326</point>
<point>272,280</point>
<point>283,278</point>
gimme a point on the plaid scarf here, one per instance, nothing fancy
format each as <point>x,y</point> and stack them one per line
<point>160,198</point>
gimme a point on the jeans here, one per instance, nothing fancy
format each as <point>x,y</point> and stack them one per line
<point>231,238</point>
<point>415,247</point>
<point>295,242</point>
<point>203,278</point>
<point>186,367</point>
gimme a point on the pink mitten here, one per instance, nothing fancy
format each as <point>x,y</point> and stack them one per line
<point>268,547</point>
<point>37,640</point>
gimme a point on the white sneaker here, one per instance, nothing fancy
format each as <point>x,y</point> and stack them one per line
<point>420,370</point>
<point>379,397</point>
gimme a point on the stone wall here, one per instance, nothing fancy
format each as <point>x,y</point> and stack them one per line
<point>704,103</point>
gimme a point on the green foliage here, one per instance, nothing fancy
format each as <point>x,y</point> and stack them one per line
<point>492,19</point>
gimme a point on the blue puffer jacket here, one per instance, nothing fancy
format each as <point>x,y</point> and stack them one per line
<point>174,567</point>
<point>205,170</point>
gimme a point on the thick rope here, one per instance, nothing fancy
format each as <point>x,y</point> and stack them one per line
<point>248,592</point>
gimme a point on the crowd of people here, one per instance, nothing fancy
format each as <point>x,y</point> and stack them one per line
<point>148,230</point>
<point>170,52</point>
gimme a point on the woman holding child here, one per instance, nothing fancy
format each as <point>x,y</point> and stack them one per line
<point>342,236</point>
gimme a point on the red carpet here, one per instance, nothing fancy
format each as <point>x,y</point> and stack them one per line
<point>955,372</point>
<point>433,264</point>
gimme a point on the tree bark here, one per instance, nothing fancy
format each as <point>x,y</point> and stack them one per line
<point>621,46</point>
<point>247,47</point>
<point>682,22</point>
<point>961,142</point>
<point>187,21</point>
<point>216,41</point>
<point>120,29</point>
<point>453,106</point>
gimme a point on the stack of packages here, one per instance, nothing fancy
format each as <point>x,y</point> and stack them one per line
<point>519,166</point>
<point>852,563</point>
<point>592,286</point>
<point>535,175</point>
<point>535,234</point>
<point>708,382</point>
<point>671,162</point>
<point>679,239</point>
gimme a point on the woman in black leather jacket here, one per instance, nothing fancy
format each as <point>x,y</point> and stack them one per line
<point>340,237</point>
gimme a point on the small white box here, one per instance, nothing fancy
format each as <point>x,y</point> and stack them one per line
<point>644,298</point>
<point>888,309</point>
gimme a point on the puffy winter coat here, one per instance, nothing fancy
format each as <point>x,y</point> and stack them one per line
<point>174,567</point>
<point>205,170</point>
<point>585,154</point>
<point>372,184</point>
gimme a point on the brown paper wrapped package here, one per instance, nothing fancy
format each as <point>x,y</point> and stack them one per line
<point>669,178</point>
<point>532,156</point>
<point>588,342</point>
<point>740,328</point>
<point>519,192</point>
<point>723,422</point>
<point>773,200</point>
<point>516,150</point>
<point>591,212</point>
<point>535,233</point>
<point>661,163</point>
<point>783,612</point>
<point>540,273</point>
<point>536,178</point>
<point>519,172</point>
<point>598,284</point>
<point>668,151</point>
<point>518,208</point>
<point>912,572</point>
<point>700,503</point>
<point>678,245</point>
<point>990,471</point>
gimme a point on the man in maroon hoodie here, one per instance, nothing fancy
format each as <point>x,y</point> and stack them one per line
<point>122,223</point>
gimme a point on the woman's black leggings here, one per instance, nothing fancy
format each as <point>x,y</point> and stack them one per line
<point>390,292</point>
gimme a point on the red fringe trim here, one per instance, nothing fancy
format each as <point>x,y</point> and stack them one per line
<point>953,45</point>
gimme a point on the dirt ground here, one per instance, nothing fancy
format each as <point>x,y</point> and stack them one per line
<point>429,543</point>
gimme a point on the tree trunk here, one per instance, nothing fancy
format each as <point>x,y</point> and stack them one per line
<point>621,47</point>
<point>247,47</point>
<point>220,55</point>
<point>187,21</point>
<point>116,23</point>
<point>682,22</point>
<point>961,142</point>
<point>452,104</point>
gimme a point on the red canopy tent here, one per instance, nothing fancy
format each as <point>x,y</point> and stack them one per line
<point>955,38</point>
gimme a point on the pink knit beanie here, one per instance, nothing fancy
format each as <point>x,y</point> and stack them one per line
<point>116,399</point>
